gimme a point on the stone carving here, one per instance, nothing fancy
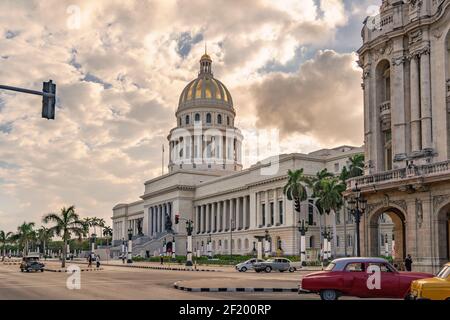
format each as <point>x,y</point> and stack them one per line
<point>415,4</point>
<point>168,223</point>
<point>438,200</point>
<point>419,212</point>
<point>372,206</point>
<point>398,60</point>
<point>415,36</point>
<point>437,33</point>
<point>401,204</point>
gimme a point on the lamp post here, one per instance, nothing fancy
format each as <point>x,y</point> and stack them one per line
<point>189,229</point>
<point>130,246</point>
<point>93,240</point>
<point>327,236</point>
<point>209,247</point>
<point>357,206</point>
<point>266,243</point>
<point>302,228</point>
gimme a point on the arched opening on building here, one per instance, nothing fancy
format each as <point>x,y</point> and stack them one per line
<point>219,119</point>
<point>383,96</point>
<point>311,242</point>
<point>208,118</point>
<point>443,237</point>
<point>387,234</point>
<point>446,85</point>
<point>197,117</point>
<point>169,248</point>
<point>187,119</point>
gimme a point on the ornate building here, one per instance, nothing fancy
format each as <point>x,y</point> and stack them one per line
<point>405,61</point>
<point>229,206</point>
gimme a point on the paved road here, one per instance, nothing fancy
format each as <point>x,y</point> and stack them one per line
<point>130,283</point>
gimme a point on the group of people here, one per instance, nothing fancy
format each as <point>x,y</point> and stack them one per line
<point>93,257</point>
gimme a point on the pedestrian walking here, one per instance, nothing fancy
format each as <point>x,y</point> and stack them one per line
<point>161,258</point>
<point>90,260</point>
<point>408,263</point>
<point>123,258</point>
<point>97,261</point>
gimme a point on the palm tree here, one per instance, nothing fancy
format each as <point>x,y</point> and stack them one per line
<point>25,234</point>
<point>331,201</point>
<point>66,223</point>
<point>88,224</point>
<point>5,237</point>
<point>295,187</point>
<point>101,223</point>
<point>44,235</point>
<point>107,232</point>
<point>356,167</point>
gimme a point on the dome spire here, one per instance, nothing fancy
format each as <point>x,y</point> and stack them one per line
<point>205,63</point>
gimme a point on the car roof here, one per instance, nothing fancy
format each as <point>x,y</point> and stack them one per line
<point>342,262</point>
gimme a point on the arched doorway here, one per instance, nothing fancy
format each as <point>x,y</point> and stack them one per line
<point>444,234</point>
<point>387,234</point>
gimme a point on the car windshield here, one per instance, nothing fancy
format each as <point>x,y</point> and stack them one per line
<point>330,266</point>
<point>444,273</point>
<point>270,260</point>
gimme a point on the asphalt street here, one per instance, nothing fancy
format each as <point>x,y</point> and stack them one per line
<point>131,283</point>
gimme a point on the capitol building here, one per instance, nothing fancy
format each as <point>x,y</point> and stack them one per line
<point>229,205</point>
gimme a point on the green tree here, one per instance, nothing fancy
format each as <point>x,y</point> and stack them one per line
<point>66,223</point>
<point>24,236</point>
<point>331,200</point>
<point>44,235</point>
<point>295,189</point>
<point>356,167</point>
<point>107,232</point>
<point>5,237</point>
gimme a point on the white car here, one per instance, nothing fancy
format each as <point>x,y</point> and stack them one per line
<point>247,265</point>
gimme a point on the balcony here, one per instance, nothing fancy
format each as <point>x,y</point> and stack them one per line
<point>385,108</point>
<point>424,173</point>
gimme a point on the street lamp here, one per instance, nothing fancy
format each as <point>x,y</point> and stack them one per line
<point>189,229</point>
<point>357,206</point>
<point>266,243</point>
<point>209,246</point>
<point>302,228</point>
<point>93,240</point>
<point>327,235</point>
<point>130,246</point>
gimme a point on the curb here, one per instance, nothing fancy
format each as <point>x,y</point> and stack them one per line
<point>158,268</point>
<point>11,263</point>
<point>272,290</point>
<point>64,270</point>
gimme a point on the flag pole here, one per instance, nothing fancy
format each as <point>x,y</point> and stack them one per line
<point>162,161</point>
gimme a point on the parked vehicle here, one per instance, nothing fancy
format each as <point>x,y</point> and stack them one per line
<point>31,263</point>
<point>350,277</point>
<point>436,288</point>
<point>277,264</point>
<point>247,265</point>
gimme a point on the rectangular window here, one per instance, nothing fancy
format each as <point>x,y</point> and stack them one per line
<point>337,241</point>
<point>336,167</point>
<point>280,211</point>
<point>263,212</point>
<point>272,215</point>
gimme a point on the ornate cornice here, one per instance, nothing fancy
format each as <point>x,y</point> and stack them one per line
<point>439,200</point>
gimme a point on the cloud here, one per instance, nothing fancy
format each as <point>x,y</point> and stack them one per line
<point>319,100</point>
<point>119,74</point>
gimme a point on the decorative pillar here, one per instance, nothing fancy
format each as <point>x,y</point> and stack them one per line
<point>415,105</point>
<point>244,212</point>
<point>238,214</point>
<point>398,109</point>
<point>425,100</point>
<point>202,218</point>
<point>208,218</point>
<point>267,207</point>
<point>275,207</point>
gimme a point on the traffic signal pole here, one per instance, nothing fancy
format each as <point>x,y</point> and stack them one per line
<point>48,94</point>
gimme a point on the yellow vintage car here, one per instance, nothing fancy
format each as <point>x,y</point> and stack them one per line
<point>437,288</point>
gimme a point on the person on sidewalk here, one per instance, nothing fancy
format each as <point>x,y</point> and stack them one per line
<point>161,258</point>
<point>123,259</point>
<point>408,263</point>
<point>97,261</point>
<point>90,261</point>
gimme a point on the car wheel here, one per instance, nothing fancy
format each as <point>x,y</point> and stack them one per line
<point>292,269</point>
<point>282,270</point>
<point>328,295</point>
<point>257,271</point>
<point>42,270</point>
<point>21,270</point>
<point>268,269</point>
<point>243,269</point>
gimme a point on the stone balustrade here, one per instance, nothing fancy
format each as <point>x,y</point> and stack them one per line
<point>400,174</point>
<point>385,107</point>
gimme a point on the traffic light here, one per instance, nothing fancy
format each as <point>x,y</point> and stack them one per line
<point>49,101</point>
<point>297,205</point>
<point>177,218</point>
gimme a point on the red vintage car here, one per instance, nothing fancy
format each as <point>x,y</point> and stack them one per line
<point>360,277</point>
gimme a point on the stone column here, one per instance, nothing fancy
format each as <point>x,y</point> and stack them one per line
<point>244,212</point>
<point>415,106</point>
<point>398,109</point>
<point>267,206</point>
<point>232,216</point>
<point>259,212</point>
<point>425,95</point>
<point>208,219</point>
<point>238,213</point>
<point>202,219</point>
<point>275,207</point>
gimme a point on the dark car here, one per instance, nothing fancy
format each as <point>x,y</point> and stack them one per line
<point>31,263</point>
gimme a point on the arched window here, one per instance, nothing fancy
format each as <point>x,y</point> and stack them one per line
<point>228,120</point>
<point>197,117</point>
<point>187,119</point>
<point>219,119</point>
<point>208,118</point>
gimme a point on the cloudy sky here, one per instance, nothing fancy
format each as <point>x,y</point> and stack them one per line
<point>120,66</point>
